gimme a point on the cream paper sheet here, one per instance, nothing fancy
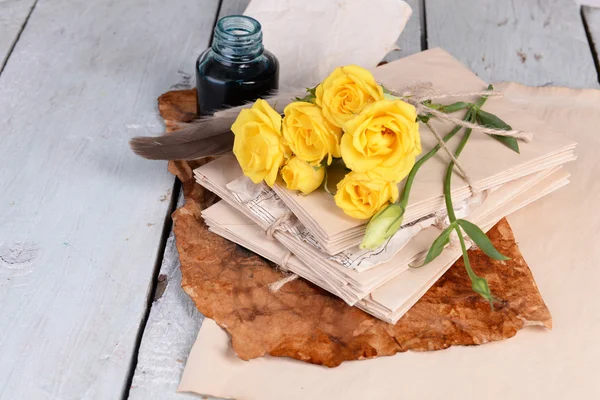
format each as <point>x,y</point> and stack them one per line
<point>558,237</point>
<point>312,37</point>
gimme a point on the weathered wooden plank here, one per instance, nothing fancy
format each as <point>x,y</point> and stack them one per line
<point>170,332</point>
<point>174,322</point>
<point>410,41</point>
<point>80,216</point>
<point>529,41</point>
<point>592,19</point>
<point>13,14</point>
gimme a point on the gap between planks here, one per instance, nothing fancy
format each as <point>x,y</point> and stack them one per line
<point>532,43</point>
<point>591,23</point>
<point>91,281</point>
<point>167,230</point>
<point>17,37</point>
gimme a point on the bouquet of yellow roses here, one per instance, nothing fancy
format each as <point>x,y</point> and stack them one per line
<point>347,116</point>
<point>351,119</point>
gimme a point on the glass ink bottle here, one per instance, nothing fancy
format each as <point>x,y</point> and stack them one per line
<point>236,69</point>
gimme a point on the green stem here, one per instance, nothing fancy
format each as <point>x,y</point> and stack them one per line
<point>413,172</point>
<point>403,200</point>
<point>465,255</point>
<point>449,108</point>
<point>448,199</point>
<point>479,284</point>
<point>470,116</point>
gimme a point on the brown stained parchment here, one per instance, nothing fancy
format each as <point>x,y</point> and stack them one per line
<point>229,284</point>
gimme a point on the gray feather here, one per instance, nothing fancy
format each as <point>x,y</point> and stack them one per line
<point>207,136</point>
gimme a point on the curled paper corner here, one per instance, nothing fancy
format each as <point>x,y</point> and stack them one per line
<point>341,33</point>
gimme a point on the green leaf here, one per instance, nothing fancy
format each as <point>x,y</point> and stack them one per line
<point>424,118</point>
<point>481,240</point>
<point>491,121</point>
<point>438,244</point>
<point>309,98</point>
<point>454,107</point>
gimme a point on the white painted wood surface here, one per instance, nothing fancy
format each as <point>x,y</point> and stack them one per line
<point>13,14</point>
<point>174,321</point>
<point>81,217</point>
<point>527,41</point>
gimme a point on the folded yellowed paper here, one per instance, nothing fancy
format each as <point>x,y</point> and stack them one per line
<point>557,235</point>
<point>305,34</point>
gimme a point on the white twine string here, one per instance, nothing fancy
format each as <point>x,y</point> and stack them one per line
<point>277,225</point>
<point>277,285</point>
<point>440,220</point>
<point>519,135</point>
<point>416,94</point>
<point>474,189</point>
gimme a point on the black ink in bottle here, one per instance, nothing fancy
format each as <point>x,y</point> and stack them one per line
<point>237,68</point>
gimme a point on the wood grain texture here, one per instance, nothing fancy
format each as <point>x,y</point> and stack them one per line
<point>174,322</point>
<point>527,41</point>
<point>13,14</point>
<point>80,216</point>
<point>410,41</point>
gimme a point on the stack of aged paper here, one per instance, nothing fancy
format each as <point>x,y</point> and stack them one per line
<point>557,236</point>
<point>320,243</point>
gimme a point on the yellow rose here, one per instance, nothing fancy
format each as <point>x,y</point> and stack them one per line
<point>309,135</point>
<point>300,175</point>
<point>383,140</point>
<point>346,92</point>
<point>258,144</point>
<point>360,196</point>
